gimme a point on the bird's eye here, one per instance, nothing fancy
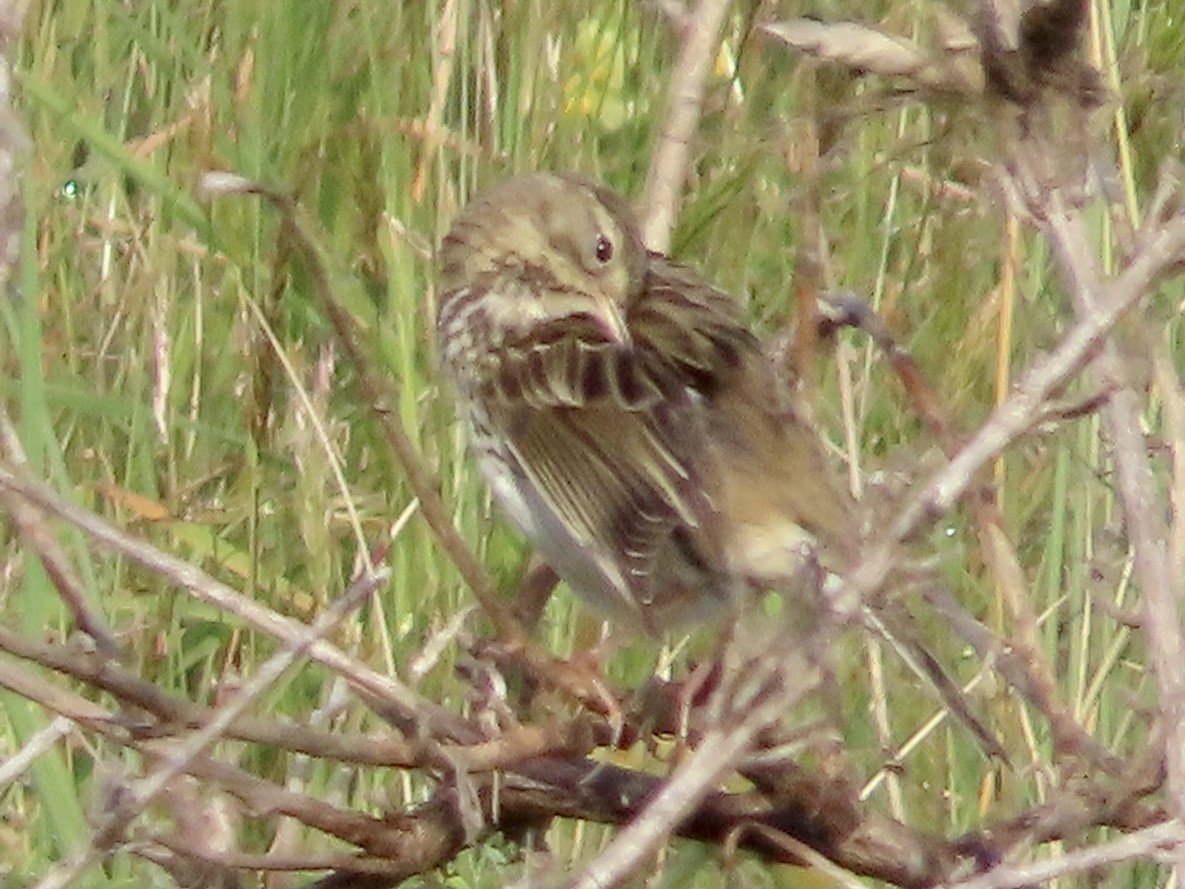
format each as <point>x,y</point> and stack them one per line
<point>604,249</point>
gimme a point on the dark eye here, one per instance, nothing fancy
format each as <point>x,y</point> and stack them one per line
<point>604,249</point>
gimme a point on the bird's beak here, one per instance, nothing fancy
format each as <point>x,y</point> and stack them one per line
<point>612,320</point>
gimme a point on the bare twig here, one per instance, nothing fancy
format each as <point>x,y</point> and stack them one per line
<point>31,527</point>
<point>1011,420</point>
<point>800,806</point>
<point>442,75</point>
<point>777,684</point>
<point>115,822</point>
<point>1019,661</point>
<point>174,713</point>
<point>390,697</point>
<point>1169,836</point>
<point>1144,511</point>
<point>668,160</point>
<point>17,763</point>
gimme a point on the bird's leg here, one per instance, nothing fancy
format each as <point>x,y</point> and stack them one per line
<point>587,684</point>
<point>536,669</point>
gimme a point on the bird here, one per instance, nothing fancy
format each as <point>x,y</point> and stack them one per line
<point>622,412</point>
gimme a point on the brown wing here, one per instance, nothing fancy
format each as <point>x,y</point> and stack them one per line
<point>616,486</point>
<point>610,448</point>
<point>665,458</point>
<point>773,475</point>
<point>691,330</point>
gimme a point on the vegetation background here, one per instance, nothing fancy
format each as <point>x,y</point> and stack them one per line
<point>167,366</point>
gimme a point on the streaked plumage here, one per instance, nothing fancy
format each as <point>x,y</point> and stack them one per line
<point>623,414</point>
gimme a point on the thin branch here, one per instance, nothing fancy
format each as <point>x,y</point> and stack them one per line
<point>1144,844</point>
<point>16,764</point>
<point>31,527</point>
<point>668,161</point>
<point>1012,419</point>
<point>174,713</point>
<point>392,699</point>
<point>1144,511</point>
<point>138,798</point>
<point>785,680</point>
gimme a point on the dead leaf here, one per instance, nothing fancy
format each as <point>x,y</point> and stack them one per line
<point>142,507</point>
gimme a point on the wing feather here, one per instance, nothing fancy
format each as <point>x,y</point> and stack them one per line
<point>611,441</point>
<point>615,481</point>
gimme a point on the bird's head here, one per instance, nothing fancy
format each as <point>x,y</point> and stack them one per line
<point>554,249</point>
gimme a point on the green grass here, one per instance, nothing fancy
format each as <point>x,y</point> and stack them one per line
<point>134,360</point>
